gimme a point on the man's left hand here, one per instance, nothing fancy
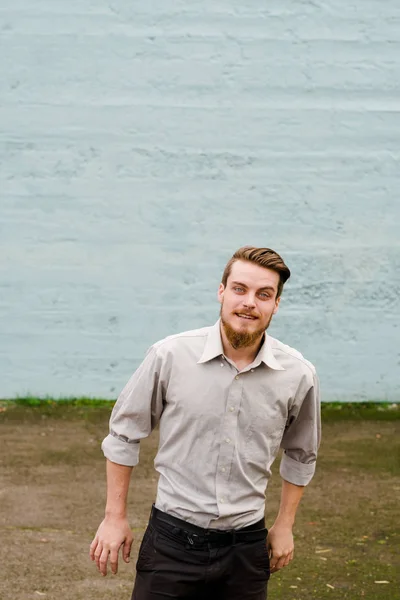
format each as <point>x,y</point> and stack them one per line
<point>280,546</point>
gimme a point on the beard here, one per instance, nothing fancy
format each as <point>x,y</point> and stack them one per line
<point>243,339</point>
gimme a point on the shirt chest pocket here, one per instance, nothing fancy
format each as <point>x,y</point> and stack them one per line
<point>268,415</point>
<point>264,430</point>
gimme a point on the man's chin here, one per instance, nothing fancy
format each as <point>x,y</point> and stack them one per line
<point>242,334</point>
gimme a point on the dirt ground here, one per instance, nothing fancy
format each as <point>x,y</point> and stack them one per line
<point>52,493</point>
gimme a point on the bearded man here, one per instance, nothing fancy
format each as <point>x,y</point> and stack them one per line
<point>226,398</point>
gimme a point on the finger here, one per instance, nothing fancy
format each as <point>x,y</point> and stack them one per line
<point>126,549</point>
<point>103,561</point>
<point>93,547</point>
<point>114,561</point>
<point>287,560</point>
<point>281,562</point>
<point>274,570</point>
<point>97,554</point>
<point>273,561</point>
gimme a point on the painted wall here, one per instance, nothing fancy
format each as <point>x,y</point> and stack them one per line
<point>142,143</point>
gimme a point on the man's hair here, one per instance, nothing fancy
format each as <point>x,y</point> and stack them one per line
<point>265,257</point>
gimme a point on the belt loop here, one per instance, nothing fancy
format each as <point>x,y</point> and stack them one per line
<point>233,537</point>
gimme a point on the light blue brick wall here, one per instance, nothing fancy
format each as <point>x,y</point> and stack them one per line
<point>141,143</point>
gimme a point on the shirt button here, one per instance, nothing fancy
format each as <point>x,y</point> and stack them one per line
<point>237,377</point>
<point>231,408</point>
<point>227,440</point>
<point>252,370</point>
<point>222,364</point>
<point>222,500</point>
<point>223,469</point>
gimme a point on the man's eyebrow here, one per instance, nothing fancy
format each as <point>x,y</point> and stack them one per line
<point>267,287</point>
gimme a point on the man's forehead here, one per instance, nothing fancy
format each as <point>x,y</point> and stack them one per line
<point>252,274</point>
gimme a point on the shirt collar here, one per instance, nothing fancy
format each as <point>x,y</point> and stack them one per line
<point>214,348</point>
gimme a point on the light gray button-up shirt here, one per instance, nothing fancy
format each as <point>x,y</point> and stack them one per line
<point>220,428</point>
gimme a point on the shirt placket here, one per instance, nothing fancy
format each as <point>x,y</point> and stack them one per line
<point>228,443</point>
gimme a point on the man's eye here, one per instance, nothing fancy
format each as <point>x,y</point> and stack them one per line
<point>263,295</point>
<point>238,289</point>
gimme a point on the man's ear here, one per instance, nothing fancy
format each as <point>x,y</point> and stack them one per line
<point>220,294</point>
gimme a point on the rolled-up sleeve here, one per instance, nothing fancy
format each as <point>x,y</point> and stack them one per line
<point>136,412</point>
<point>301,438</point>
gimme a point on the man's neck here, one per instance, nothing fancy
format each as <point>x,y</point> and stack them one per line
<point>242,357</point>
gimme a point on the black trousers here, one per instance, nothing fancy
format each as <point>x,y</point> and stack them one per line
<point>181,561</point>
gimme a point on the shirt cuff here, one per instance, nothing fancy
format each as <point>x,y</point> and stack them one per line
<point>120,452</point>
<point>296,472</point>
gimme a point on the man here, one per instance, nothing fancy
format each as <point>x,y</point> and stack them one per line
<point>226,399</point>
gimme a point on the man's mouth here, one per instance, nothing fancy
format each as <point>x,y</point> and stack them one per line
<point>246,316</point>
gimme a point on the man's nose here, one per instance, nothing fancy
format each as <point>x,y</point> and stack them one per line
<point>249,301</point>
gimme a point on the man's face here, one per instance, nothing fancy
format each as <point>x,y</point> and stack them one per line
<point>248,302</point>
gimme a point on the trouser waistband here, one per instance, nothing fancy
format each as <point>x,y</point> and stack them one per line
<point>195,535</point>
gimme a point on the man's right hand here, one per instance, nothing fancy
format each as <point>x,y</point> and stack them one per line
<point>113,533</point>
